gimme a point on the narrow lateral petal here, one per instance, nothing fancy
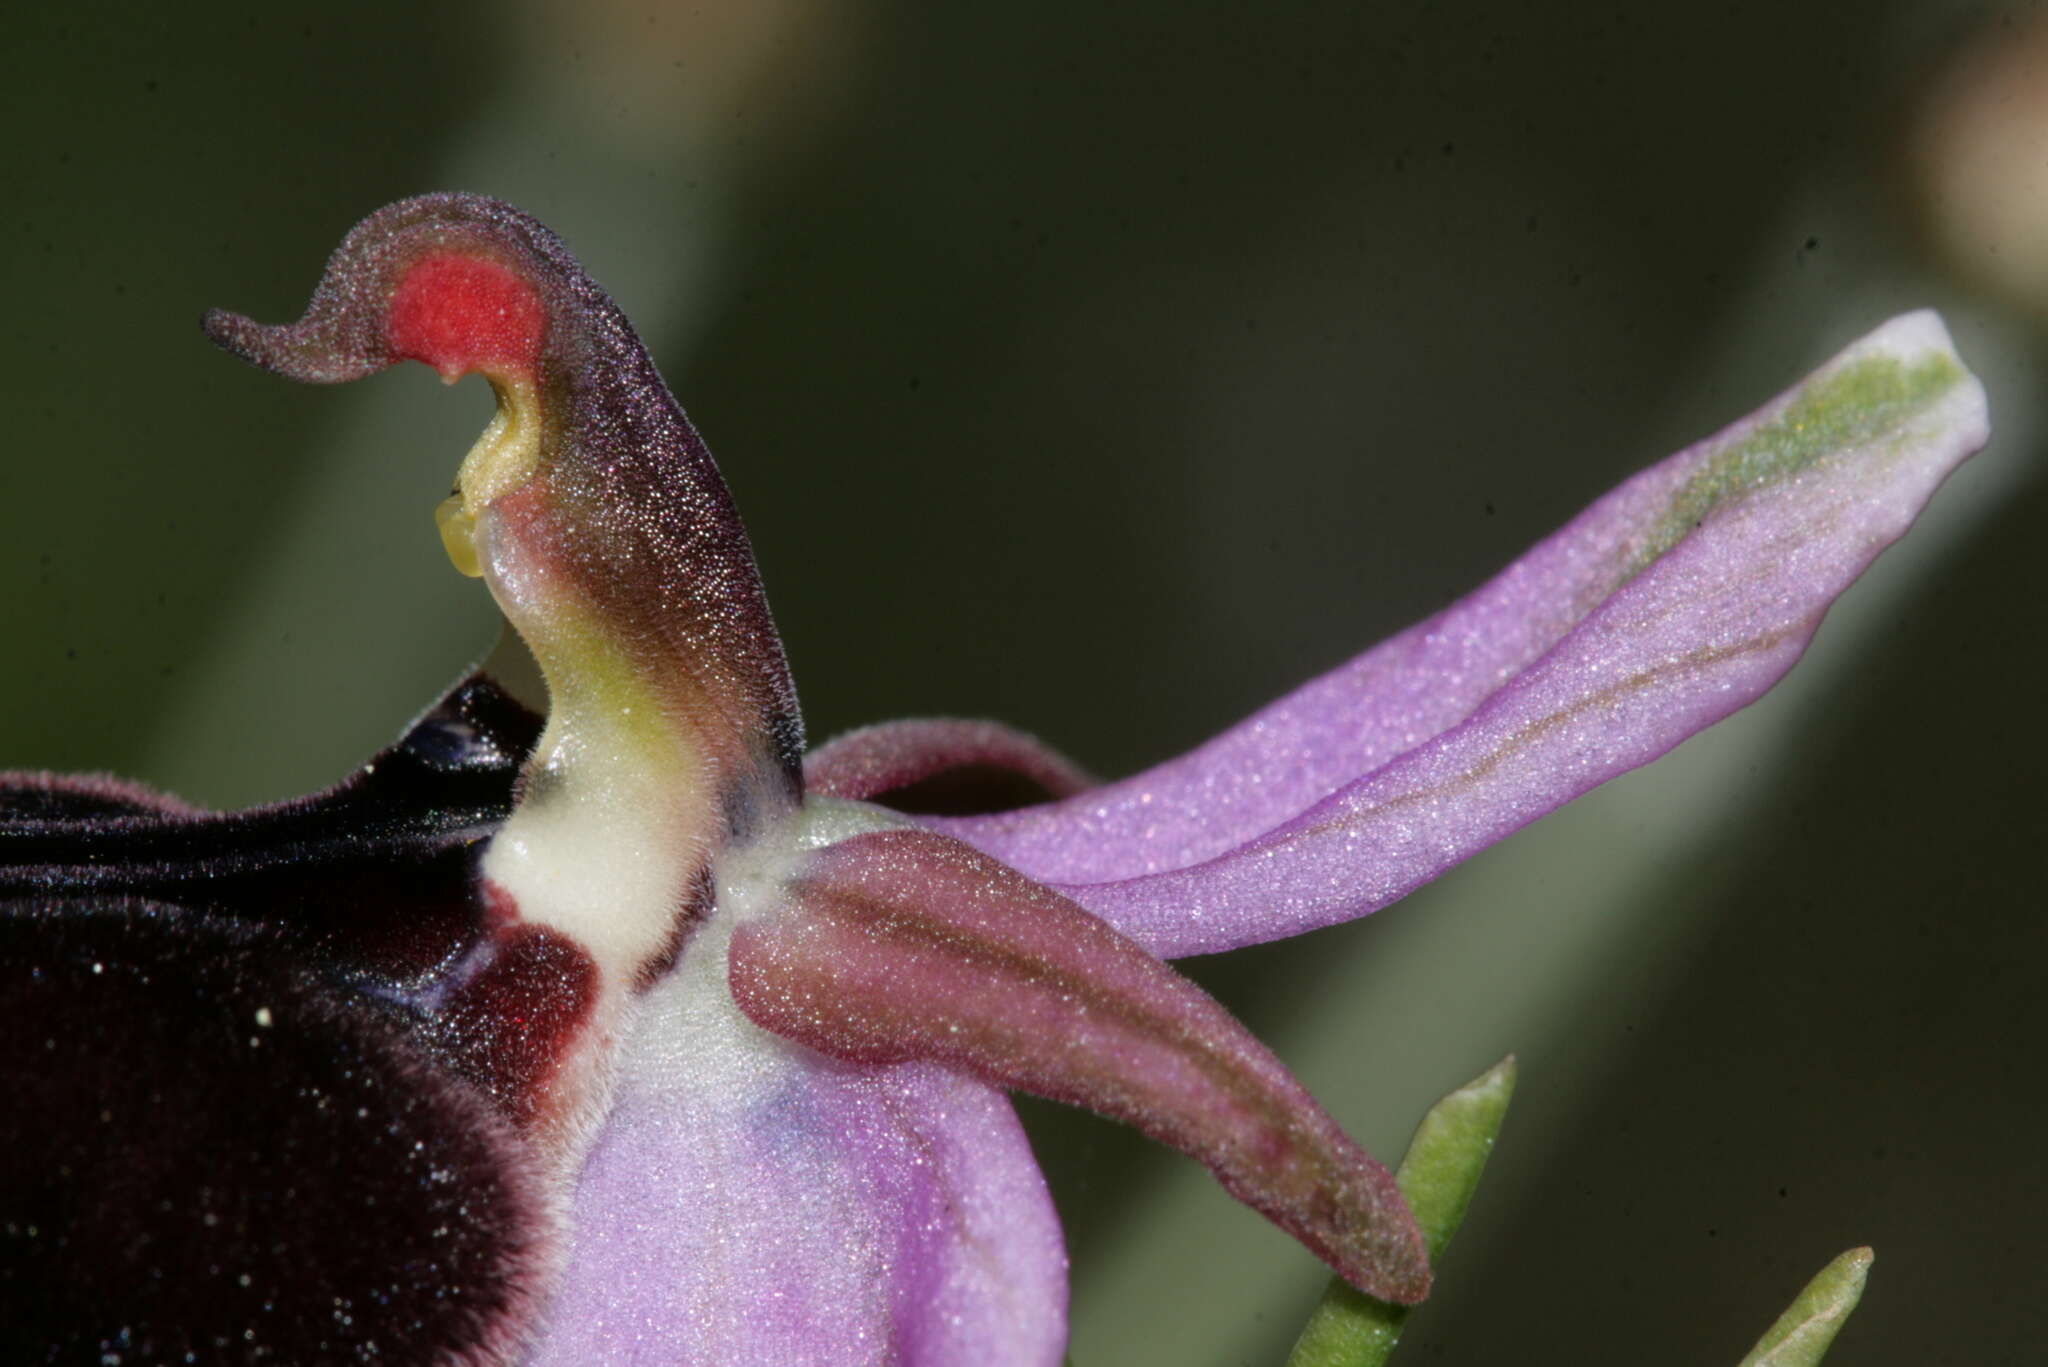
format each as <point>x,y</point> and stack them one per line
<point>1675,600</point>
<point>905,944</point>
<point>956,765</point>
<point>752,1202</point>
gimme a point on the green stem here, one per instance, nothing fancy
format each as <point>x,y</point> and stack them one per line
<point>1437,1176</point>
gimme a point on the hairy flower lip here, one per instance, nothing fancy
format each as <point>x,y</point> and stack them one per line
<point>373,875</point>
<point>292,959</point>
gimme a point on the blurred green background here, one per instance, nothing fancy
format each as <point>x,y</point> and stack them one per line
<point>1109,370</point>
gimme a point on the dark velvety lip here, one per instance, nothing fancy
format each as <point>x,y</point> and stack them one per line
<point>214,1153</point>
<point>373,876</point>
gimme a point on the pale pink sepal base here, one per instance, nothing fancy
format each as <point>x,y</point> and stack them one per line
<point>751,1202</point>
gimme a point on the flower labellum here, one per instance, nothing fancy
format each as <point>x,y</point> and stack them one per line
<point>609,1026</point>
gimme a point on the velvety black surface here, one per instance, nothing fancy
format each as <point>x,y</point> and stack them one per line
<point>209,1153</point>
<point>227,1132</point>
<point>372,877</point>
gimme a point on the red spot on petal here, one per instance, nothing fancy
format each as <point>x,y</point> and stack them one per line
<point>465,313</point>
<point>509,1028</point>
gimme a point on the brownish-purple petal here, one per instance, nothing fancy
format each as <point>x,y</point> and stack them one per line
<point>905,944</point>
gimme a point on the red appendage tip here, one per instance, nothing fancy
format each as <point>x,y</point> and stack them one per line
<point>464,313</point>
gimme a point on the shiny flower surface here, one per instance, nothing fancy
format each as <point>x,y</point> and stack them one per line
<point>611,1026</point>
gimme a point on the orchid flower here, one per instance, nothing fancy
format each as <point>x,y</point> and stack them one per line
<point>596,1021</point>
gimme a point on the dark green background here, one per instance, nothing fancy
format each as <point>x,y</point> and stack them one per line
<point>1110,369</point>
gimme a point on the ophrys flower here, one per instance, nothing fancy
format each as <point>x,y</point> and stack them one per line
<point>648,1037</point>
